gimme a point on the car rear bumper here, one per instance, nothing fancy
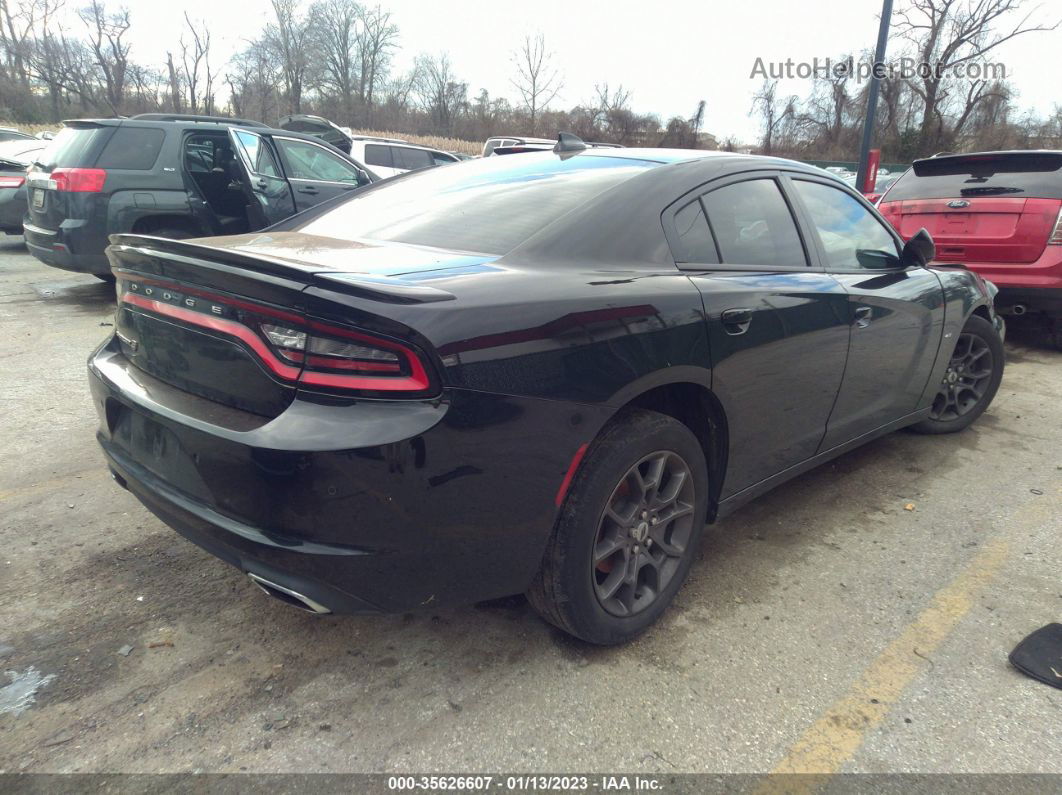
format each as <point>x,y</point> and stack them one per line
<point>1017,301</point>
<point>1043,274</point>
<point>374,506</point>
<point>62,248</point>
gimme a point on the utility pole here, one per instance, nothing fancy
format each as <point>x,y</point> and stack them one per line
<point>872,94</point>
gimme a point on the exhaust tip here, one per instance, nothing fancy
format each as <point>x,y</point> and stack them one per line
<point>1018,309</point>
<point>287,595</point>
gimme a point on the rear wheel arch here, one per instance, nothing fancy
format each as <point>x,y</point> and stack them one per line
<point>696,407</point>
<point>150,224</point>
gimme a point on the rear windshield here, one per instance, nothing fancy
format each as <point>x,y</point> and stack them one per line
<point>75,147</point>
<point>487,206</point>
<point>1021,174</point>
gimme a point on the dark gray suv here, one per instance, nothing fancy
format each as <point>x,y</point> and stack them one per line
<point>173,176</point>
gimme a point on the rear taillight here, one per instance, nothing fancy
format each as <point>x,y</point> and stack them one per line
<point>79,180</point>
<point>1056,235</point>
<point>319,355</point>
<point>11,182</point>
<point>340,358</point>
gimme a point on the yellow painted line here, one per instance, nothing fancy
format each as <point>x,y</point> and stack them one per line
<point>835,737</point>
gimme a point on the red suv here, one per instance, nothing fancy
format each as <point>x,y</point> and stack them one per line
<point>997,213</point>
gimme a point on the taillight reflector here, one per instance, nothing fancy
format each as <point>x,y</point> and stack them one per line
<point>11,182</point>
<point>79,180</point>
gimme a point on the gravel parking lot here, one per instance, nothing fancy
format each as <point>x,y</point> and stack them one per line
<point>856,619</point>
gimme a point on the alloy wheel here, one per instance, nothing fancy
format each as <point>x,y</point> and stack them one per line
<point>966,380</point>
<point>643,533</point>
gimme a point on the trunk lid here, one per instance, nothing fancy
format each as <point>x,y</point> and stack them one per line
<point>221,321</point>
<point>997,207</point>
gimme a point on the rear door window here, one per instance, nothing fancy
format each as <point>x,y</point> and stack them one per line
<point>693,237</point>
<point>411,158</point>
<point>378,155</point>
<point>309,161</point>
<point>753,225</point>
<point>134,148</point>
<point>1017,174</point>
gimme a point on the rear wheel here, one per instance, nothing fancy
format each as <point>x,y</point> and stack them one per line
<point>628,531</point>
<point>970,381</point>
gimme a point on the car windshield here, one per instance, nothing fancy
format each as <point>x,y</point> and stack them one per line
<point>487,206</point>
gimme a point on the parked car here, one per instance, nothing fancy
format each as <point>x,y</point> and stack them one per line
<point>507,145</point>
<point>16,156</point>
<point>173,176</point>
<point>13,134</point>
<point>997,213</point>
<point>387,156</point>
<point>536,374</point>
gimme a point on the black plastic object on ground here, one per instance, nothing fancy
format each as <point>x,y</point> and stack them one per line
<point>1040,655</point>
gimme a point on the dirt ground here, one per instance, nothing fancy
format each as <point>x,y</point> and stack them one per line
<point>826,626</point>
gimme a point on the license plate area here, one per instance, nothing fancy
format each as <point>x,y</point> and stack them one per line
<point>156,448</point>
<point>38,198</point>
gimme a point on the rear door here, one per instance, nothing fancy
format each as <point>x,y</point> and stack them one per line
<point>316,174</point>
<point>999,207</point>
<point>263,182</point>
<point>895,314</point>
<point>777,327</point>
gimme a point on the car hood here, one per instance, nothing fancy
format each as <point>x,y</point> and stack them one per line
<point>368,257</point>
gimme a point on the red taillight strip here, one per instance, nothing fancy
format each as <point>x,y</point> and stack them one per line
<point>241,332</point>
<point>417,381</point>
<point>567,482</point>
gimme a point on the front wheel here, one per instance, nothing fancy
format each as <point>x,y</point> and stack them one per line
<point>970,381</point>
<point>628,531</point>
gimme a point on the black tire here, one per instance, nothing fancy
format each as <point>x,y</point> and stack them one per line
<point>964,392</point>
<point>567,589</point>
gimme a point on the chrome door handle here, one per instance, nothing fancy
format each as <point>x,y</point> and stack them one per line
<point>863,315</point>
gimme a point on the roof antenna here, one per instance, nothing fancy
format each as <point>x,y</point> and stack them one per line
<point>567,143</point>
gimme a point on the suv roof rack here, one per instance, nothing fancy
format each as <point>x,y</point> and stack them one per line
<point>194,118</point>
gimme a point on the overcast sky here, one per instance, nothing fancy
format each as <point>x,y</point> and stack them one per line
<point>669,54</point>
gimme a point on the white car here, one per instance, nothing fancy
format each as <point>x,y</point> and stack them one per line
<point>385,156</point>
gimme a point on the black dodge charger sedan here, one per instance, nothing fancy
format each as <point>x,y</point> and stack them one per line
<point>537,374</point>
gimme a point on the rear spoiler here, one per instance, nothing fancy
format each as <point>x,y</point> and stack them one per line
<point>988,163</point>
<point>388,289</point>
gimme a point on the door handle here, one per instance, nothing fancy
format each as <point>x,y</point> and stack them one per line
<point>736,321</point>
<point>310,189</point>
<point>863,316</point>
<point>261,184</point>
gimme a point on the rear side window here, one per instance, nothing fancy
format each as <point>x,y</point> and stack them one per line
<point>753,225</point>
<point>135,148</point>
<point>258,154</point>
<point>75,147</point>
<point>411,158</point>
<point>693,237</point>
<point>378,155</point>
<point>1019,174</point>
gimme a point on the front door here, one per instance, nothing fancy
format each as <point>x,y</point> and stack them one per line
<point>896,314</point>
<point>267,190</point>
<point>778,329</point>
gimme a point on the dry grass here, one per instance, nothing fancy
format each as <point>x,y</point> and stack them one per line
<point>434,141</point>
<point>32,129</point>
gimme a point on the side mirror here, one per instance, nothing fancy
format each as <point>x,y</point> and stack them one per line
<point>919,250</point>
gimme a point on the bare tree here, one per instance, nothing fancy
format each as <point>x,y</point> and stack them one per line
<point>947,34</point>
<point>175,79</point>
<point>195,58</point>
<point>106,40</point>
<point>289,38</point>
<point>537,81</point>
<point>773,112</point>
<point>442,96</point>
<point>335,31</point>
<point>376,42</point>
